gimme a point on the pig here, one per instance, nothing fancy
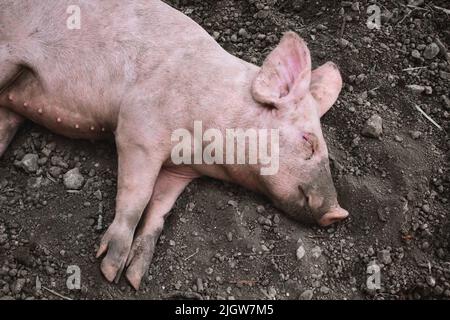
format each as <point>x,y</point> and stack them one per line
<point>136,71</point>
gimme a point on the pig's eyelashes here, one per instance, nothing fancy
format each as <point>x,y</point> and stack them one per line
<point>310,144</point>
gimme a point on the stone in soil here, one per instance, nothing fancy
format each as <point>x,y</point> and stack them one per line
<point>30,162</point>
<point>373,127</point>
<point>73,179</point>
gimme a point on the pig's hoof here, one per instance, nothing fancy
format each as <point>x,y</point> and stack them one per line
<point>116,242</point>
<point>140,257</point>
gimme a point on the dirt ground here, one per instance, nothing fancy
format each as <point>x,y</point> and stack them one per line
<point>223,242</point>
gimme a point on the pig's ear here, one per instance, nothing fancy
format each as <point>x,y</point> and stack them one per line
<point>326,84</point>
<point>286,73</point>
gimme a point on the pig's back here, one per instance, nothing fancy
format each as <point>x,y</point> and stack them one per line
<point>84,75</point>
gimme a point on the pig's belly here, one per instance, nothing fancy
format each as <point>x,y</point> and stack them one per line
<point>27,98</point>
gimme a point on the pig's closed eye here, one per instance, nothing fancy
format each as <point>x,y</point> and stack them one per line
<point>309,144</point>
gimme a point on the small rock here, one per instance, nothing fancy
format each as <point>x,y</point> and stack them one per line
<point>360,78</point>
<point>316,252</point>
<point>415,54</point>
<point>355,6</point>
<point>30,162</point>
<point>415,3</point>
<point>415,88</point>
<point>343,43</point>
<point>416,135</point>
<point>431,281</point>
<point>307,295</point>
<point>233,203</point>
<point>276,219</point>
<point>50,270</point>
<point>243,33</point>
<point>431,51</point>
<point>200,287</point>
<point>34,183</point>
<point>55,172</point>
<point>98,195</point>
<point>325,290</point>
<point>73,179</point>
<point>373,127</point>
<point>444,75</point>
<point>446,101</point>
<point>300,252</point>
<point>384,256</point>
<point>260,209</point>
<point>18,285</point>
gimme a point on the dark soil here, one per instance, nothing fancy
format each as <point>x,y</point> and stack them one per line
<point>224,242</point>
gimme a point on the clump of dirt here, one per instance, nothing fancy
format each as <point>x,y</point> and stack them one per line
<point>223,242</point>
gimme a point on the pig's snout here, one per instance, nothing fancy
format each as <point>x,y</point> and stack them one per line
<point>321,197</point>
<point>334,215</point>
<point>325,210</point>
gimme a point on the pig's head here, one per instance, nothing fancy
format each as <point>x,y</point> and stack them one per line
<point>298,97</point>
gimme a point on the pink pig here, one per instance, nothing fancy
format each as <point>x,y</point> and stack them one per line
<point>140,70</point>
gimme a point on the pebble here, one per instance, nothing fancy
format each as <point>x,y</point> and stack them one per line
<point>306,295</point>
<point>300,252</point>
<point>50,270</point>
<point>324,290</point>
<point>444,75</point>
<point>18,285</point>
<point>30,162</point>
<point>316,252</point>
<point>426,208</point>
<point>373,127</point>
<point>446,101</point>
<point>73,179</point>
<point>360,78</point>
<point>200,286</point>
<point>416,54</point>
<point>343,43</point>
<point>416,135</point>
<point>431,281</point>
<point>415,88</point>
<point>243,33</point>
<point>98,195</point>
<point>55,172</point>
<point>384,256</point>
<point>431,51</point>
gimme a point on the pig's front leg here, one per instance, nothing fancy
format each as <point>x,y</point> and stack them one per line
<point>9,123</point>
<point>168,187</point>
<point>140,160</point>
